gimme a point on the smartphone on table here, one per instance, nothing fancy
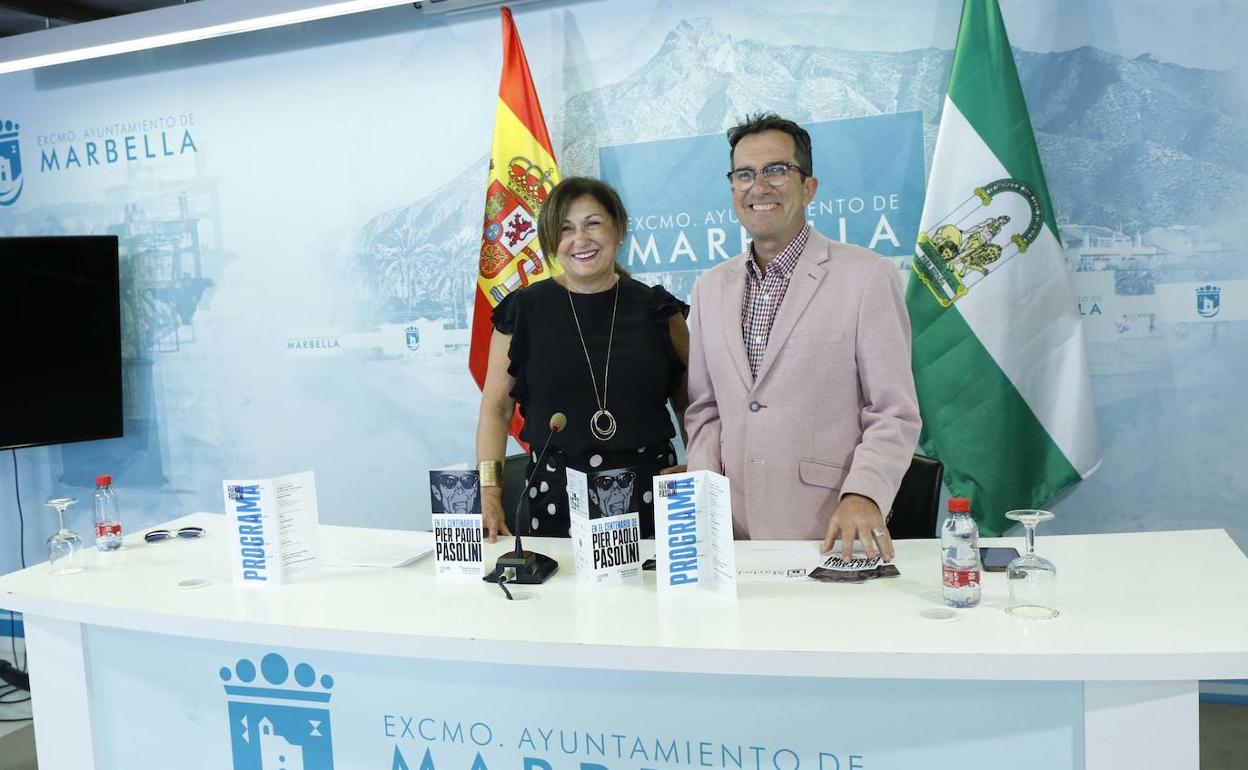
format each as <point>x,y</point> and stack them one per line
<point>996,559</point>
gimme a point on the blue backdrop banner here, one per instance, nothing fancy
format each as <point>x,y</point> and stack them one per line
<point>870,173</point>
<point>299,212</point>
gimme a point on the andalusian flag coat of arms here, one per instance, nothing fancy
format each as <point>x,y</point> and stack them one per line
<point>999,359</point>
<point>522,174</point>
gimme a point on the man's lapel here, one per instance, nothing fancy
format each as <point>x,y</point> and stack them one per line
<point>730,311</point>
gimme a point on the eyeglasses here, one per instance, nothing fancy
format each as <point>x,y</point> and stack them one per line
<point>185,533</point>
<point>451,480</point>
<point>776,174</point>
<point>622,481</point>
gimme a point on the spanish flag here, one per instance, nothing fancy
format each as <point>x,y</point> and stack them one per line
<point>522,173</point>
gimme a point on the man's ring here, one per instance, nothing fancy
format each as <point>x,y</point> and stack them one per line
<point>877,532</point>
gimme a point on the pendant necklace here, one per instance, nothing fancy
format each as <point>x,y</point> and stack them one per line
<point>602,424</point>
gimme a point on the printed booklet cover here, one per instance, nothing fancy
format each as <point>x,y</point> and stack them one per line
<point>693,533</point>
<point>455,501</point>
<point>606,528</point>
<point>274,528</point>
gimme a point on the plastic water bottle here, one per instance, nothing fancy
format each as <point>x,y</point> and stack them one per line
<point>959,555</point>
<point>107,519</point>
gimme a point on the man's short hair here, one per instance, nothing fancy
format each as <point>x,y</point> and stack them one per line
<point>770,121</point>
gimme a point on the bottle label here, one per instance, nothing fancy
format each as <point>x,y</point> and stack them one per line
<point>959,578</point>
<point>108,529</point>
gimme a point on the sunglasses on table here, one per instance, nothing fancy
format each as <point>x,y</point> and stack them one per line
<point>185,533</point>
<point>623,480</point>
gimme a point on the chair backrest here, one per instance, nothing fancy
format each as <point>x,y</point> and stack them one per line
<point>513,483</point>
<point>916,509</point>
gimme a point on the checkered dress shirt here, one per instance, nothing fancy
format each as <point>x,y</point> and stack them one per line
<point>763,296</point>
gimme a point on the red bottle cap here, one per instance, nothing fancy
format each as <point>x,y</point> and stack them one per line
<point>106,479</point>
<point>959,505</point>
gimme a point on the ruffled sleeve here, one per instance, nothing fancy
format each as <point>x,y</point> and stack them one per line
<point>506,313</point>
<point>662,307</point>
<point>507,320</point>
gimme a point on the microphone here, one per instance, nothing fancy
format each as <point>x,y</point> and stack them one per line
<point>558,421</point>
<point>521,566</point>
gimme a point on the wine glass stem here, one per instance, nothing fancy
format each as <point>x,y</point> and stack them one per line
<point>1030,526</point>
<point>60,515</point>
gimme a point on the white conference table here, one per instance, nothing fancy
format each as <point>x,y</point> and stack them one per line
<point>1133,639</point>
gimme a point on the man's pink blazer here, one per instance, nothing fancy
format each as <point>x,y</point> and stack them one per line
<point>833,409</point>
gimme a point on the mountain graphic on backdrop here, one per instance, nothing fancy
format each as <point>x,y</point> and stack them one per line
<point>421,260</point>
<point>1130,143</point>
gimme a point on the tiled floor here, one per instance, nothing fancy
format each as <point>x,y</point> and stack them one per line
<point>17,739</point>
<point>1223,737</point>
<point>11,711</point>
<point>17,749</point>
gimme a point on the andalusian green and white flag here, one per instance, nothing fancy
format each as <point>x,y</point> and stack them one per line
<point>999,359</point>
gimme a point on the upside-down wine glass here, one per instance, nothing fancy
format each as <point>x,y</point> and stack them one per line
<point>1032,579</point>
<point>64,547</point>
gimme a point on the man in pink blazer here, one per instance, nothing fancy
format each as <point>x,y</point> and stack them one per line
<point>800,385</point>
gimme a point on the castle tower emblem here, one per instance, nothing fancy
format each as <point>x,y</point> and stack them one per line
<point>1208,300</point>
<point>281,721</point>
<point>10,164</point>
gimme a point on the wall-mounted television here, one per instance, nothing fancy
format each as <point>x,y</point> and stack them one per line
<point>60,340</point>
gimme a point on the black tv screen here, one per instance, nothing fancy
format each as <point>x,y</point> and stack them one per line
<point>60,338</point>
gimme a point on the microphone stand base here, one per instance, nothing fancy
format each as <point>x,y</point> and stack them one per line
<point>524,568</point>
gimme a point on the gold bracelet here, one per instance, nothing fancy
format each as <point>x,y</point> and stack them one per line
<point>491,472</point>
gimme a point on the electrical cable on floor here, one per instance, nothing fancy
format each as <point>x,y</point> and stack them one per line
<point>16,719</point>
<point>12,703</point>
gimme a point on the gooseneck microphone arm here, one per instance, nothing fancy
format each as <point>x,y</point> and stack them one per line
<point>557,422</point>
<point>519,565</point>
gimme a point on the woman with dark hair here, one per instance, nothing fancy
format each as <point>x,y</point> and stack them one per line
<point>592,342</point>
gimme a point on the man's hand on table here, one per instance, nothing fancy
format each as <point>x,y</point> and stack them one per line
<point>858,518</point>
